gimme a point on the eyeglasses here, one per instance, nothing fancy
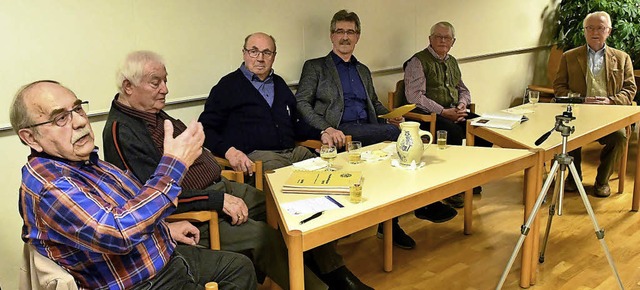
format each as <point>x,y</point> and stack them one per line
<point>599,29</point>
<point>445,38</point>
<point>63,118</point>
<point>265,53</point>
<point>349,32</point>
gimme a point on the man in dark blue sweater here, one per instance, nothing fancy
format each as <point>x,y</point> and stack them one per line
<point>251,115</point>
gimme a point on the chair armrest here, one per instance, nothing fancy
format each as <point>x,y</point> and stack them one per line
<point>313,144</point>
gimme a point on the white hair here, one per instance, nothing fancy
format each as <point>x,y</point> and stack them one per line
<point>133,67</point>
<point>598,14</point>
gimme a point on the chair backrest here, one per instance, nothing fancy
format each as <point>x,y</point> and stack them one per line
<point>40,273</point>
<point>397,98</point>
<point>553,65</point>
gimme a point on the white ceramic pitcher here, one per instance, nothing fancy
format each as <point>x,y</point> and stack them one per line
<point>409,145</point>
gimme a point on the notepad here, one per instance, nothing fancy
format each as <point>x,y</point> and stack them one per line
<point>321,182</point>
<point>499,120</point>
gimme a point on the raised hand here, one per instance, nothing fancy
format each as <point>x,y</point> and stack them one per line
<point>187,146</point>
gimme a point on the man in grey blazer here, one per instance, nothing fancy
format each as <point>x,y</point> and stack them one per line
<point>336,95</point>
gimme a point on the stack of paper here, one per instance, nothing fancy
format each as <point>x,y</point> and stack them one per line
<point>321,182</point>
<point>500,120</point>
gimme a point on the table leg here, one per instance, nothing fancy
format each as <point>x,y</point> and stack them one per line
<point>533,180</point>
<point>468,212</point>
<point>387,244</point>
<point>636,188</point>
<point>296,260</point>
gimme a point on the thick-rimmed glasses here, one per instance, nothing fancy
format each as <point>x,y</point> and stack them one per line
<point>599,29</point>
<point>265,53</point>
<point>349,32</point>
<point>64,117</point>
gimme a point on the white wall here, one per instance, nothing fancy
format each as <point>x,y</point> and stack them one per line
<point>80,43</point>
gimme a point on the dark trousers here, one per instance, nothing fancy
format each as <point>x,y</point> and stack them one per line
<point>613,145</point>
<point>370,133</point>
<point>456,132</point>
<point>192,267</point>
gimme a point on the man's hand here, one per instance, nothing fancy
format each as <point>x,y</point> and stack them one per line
<point>187,146</point>
<point>396,121</point>
<point>454,114</point>
<point>462,107</point>
<point>336,137</point>
<point>236,209</point>
<point>597,100</point>
<point>184,232</point>
<point>239,161</point>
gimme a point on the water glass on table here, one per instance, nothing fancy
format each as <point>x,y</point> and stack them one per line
<point>534,97</point>
<point>442,139</point>
<point>354,149</point>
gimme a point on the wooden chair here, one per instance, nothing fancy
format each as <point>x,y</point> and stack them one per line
<point>210,216</point>
<point>397,99</point>
<point>257,169</point>
<point>553,65</point>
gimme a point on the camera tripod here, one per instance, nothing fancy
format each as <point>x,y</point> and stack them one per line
<point>561,161</point>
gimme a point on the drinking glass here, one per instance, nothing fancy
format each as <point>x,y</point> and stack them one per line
<point>328,153</point>
<point>354,152</point>
<point>441,139</point>
<point>534,97</point>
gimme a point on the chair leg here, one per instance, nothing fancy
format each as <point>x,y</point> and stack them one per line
<point>214,231</point>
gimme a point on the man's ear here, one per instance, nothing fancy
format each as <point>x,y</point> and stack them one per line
<point>28,137</point>
<point>127,87</point>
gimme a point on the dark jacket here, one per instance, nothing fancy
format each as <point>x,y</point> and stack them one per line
<point>142,158</point>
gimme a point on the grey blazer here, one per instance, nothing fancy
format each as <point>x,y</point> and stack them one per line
<point>320,99</point>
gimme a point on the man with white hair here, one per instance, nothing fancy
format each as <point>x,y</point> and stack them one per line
<point>603,75</point>
<point>132,138</point>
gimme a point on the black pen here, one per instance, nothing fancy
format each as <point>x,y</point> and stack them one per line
<point>315,215</point>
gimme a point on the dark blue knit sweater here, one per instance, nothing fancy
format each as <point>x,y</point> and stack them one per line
<point>235,114</point>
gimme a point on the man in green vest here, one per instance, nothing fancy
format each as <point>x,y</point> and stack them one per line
<point>603,75</point>
<point>433,82</point>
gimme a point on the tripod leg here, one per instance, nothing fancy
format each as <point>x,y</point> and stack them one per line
<point>599,231</point>
<point>556,200</point>
<point>524,229</point>
<point>552,210</point>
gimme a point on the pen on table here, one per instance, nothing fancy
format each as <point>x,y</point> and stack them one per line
<point>313,216</point>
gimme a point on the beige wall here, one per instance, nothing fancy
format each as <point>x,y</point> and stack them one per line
<point>80,43</point>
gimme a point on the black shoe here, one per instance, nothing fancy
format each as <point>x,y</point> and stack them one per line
<point>570,185</point>
<point>436,212</point>
<point>342,278</point>
<point>601,190</point>
<point>400,238</point>
<point>477,190</point>
<point>457,201</point>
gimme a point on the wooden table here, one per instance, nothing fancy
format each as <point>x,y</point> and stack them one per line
<point>592,122</point>
<point>390,192</point>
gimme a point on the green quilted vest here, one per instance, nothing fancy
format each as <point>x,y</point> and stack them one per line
<point>442,78</point>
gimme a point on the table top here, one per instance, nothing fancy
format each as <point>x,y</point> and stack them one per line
<point>592,122</point>
<point>391,191</point>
